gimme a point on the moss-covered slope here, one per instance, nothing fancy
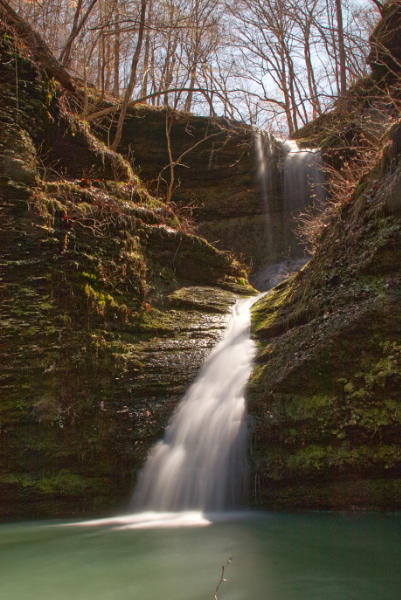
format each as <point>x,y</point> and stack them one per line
<point>326,392</point>
<point>108,305</point>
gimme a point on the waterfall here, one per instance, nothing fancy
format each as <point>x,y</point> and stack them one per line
<point>265,154</point>
<point>290,180</point>
<point>303,179</point>
<point>201,461</point>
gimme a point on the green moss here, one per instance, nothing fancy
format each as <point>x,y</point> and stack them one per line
<point>64,483</point>
<point>266,311</point>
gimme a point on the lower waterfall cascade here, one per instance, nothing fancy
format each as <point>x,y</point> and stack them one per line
<point>200,464</point>
<point>201,461</point>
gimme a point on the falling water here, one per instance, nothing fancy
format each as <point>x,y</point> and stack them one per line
<point>290,180</point>
<point>201,461</point>
<point>200,464</point>
<point>303,180</point>
<point>302,177</point>
<point>267,153</point>
<point>266,156</point>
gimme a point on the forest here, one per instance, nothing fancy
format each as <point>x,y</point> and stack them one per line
<point>275,64</point>
<point>200,341</point>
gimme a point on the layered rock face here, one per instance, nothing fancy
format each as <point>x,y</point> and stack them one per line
<point>108,309</point>
<point>217,180</point>
<point>325,396</point>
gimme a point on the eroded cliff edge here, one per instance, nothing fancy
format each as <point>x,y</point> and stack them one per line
<point>216,178</point>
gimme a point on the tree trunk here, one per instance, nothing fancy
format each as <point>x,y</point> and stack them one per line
<point>65,56</point>
<point>116,50</point>
<point>188,101</point>
<point>314,97</point>
<point>341,48</point>
<point>144,89</point>
<point>132,79</point>
<point>102,64</point>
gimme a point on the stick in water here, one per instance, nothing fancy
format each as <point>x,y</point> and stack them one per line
<point>222,578</point>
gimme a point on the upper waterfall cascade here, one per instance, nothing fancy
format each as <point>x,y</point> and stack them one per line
<point>302,178</point>
<point>290,180</point>
<point>201,461</point>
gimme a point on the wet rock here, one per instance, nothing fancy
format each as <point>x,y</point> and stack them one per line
<point>202,298</point>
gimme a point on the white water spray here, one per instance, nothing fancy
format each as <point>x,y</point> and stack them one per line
<point>201,461</point>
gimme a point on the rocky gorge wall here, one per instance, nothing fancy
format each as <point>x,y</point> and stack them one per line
<point>110,304</point>
<point>108,309</point>
<point>325,396</point>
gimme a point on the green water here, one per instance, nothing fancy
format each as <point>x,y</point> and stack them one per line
<point>312,556</point>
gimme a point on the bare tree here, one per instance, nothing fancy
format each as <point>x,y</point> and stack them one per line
<point>78,24</point>
<point>132,78</point>
<point>275,63</point>
<point>341,48</point>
